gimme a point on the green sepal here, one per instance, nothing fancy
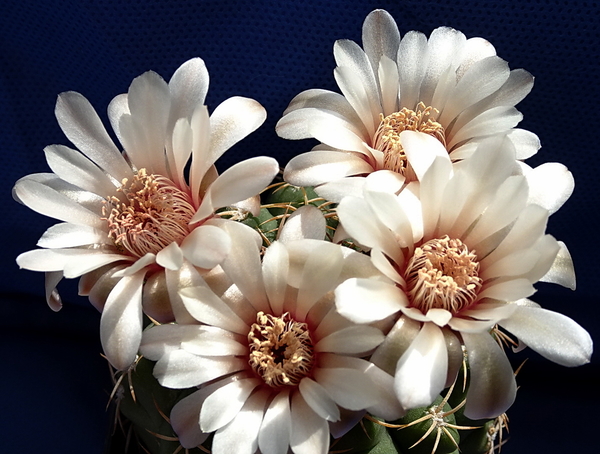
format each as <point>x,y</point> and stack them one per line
<point>406,437</point>
<point>477,441</point>
<point>143,411</point>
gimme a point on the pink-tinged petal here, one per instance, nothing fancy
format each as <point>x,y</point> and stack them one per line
<point>310,433</point>
<point>384,181</point>
<point>206,307</point>
<point>184,419</point>
<point>231,121</point>
<point>242,180</point>
<point>397,341</point>
<point>336,190</point>
<point>179,369</point>
<point>562,271</point>
<point>490,310</point>
<point>276,427</point>
<point>174,281</point>
<point>465,325</point>
<point>307,222</point>
<point>71,235</point>
<point>71,166</point>
<point>241,434</point>
<point>351,340</point>
<point>526,143</point>
<point>547,248</point>
<point>82,126</point>
<point>515,264</point>
<point>381,262</point>
<point>211,341</point>
<point>553,335</point>
<point>368,300</point>
<point>97,285</point>
<point>421,371</point>
<point>149,103</point>
<point>349,388</point>
<point>121,322</point>
<point>52,297</point>
<point>275,269</point>
<point>433,185</point>
<point>222,406</point>
<point>550,185</point>
<point>318,167</point>
<point>50,202</point>
<point>390,212</point>
<point>206,246</point>
<point>492,388</point>
<point>170,257</point>
<point>422,150</point>
<point>73,262</point>
<point>201,160</point>
<point>328,127</point>
<point>319,399</point>
<point>187,88</point>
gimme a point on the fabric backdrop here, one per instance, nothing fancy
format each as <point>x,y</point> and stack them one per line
<point>54,381</point>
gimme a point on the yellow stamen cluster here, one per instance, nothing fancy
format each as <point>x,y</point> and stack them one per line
<point>442,274</point>
<point>281,350</point>
<point>387,136</point>
<point>155,214</point>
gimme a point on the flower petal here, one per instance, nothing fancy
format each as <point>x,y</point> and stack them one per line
<point>421,371</point>
<point>319,399</point>
<point>206,246</point>
<point>562,271</point>
<point>550,185</point>
<point>225,403</point>
<point>307,222</point>
<point>276,427</point>
<point>310,433</point>
<point>351,340</point>
<point>170,257</point>
<point>368,300</point>
<point>553,335</point>
<point>184,419</point>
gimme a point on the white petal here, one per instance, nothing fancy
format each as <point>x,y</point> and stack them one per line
<point>550,185</point>
<point>552,335</point>
<point>50,202</point>
<point>52,297</point>
<point>242,180</point>
<point>184,419</point>
<point>224,404</point>
<point>71,235</point>
<point>396,342</point>
<point>349,388</point>
<point>351,340</point>
<point>206,246</point>
<point>322,100</point>
<point>412,64</point>
<point>121,321</point>
<point>82,126</point>
<point>170,257</point>
<point>206,307</point>
<point>188,88</point>
<point>241,434</point>
<point>231,121</point>
<point>562,271</point>
<point>421,371</point>
<point>492,388</point>
<point>180,369</point>
<point>380,37</point>
<point>275,268</point>
<point>511,290</point>
<point>310,433</point>
<point>276,428</point>
<point>318,167</point>
<point>335,190</point>
<point>526,143</point>
<point>162,339</point>
<point>319,399</point>
<point>212,341</point>
<point>367,300</point>
<point>306,222</point>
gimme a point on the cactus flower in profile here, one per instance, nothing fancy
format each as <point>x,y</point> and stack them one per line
<point>139,221</point>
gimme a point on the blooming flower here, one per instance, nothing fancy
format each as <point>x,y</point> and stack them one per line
<point>455,89</point>
<point>134,224</point>
<point>273,359</point>
<point>461,249</point>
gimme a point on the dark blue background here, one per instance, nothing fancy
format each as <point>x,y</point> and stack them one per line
<point>54,381</point>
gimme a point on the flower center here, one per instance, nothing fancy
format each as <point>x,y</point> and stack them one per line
<point>442,274</point>
<point>281,349</point>
<point>387,136</point>
<point>155,214</point>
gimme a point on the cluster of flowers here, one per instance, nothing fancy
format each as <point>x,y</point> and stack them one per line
<point>441,236</point>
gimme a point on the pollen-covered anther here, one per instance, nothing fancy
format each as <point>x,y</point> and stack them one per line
<point>387,136</point>
<point>442,274</point>
<point>155,213</point>
<point>281,350</point>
